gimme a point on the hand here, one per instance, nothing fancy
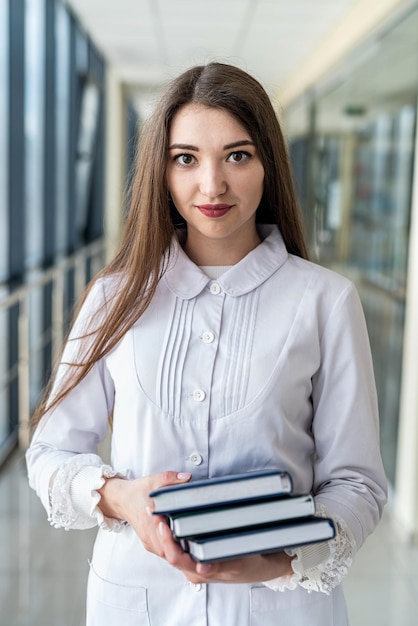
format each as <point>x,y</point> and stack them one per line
<point>129,500</point>
<point>250,569</point>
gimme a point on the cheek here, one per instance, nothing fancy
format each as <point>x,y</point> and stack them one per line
<point>258,177</point>
<point>172,177</point>
<point>178,193</point>
<point>176,183</point>
<point>258,185</point>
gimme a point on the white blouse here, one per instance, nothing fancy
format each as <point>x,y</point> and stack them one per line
<point>266,366</point>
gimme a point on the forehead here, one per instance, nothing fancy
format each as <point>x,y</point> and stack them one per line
<point>197,120</point>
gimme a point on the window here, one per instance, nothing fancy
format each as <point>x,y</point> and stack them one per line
<point>361,140</point>
<point>34,130</point>
<point>4,136</point>
<point>4,208</point>
<point>62,94</point>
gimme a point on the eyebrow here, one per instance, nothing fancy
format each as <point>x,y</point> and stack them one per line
<point>183,146</point>
<point>228,146</point>
<point>237,144</point>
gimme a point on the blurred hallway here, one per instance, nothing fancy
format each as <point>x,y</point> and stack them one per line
<point>77,80</point>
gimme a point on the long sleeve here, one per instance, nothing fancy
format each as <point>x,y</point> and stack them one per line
<point>349,476</point>
<point>320,566</point>
<point>350,484</point>
<point>63,465</point>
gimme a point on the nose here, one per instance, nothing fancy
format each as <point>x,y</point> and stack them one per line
<point>212,183</point>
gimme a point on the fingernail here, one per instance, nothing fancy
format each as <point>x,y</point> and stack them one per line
<point>184,475</point>
<point>161,528</point>
<point>148,510</point>
<point>204,568</point>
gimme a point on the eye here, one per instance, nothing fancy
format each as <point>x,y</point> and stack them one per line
<point>185,160</point>
<point>239,157</point>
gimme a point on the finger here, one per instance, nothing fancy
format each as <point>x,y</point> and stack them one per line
<point>155,519</point>
<point>233,570</point>
<point>173,551</point>
<point>149,535</point>
<point>176,556</point>
<point>204,569</point>
<point>163,479</point>
<point>172,548</point>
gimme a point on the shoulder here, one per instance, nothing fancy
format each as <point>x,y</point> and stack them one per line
<point>96,300</point>
<point>326,293</point>
<point>296,272</point>
<point>103,289</point>
<point>321,279</point>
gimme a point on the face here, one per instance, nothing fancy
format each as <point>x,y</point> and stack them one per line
<point>215,179</point>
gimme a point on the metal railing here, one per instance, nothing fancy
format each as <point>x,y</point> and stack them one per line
<point>70,274</point>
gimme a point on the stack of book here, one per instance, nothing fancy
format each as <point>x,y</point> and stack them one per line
<point>233,516</point>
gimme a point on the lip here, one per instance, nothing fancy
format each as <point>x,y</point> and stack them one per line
<point>214,210</point>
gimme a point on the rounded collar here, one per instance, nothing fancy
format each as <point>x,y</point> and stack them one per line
<point>186,280</point>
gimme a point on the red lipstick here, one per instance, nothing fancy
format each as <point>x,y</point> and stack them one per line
<point>214,210</point>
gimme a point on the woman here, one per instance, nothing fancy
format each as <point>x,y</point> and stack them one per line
<point>218,348</point>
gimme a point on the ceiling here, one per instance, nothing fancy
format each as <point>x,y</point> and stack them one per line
<point>150,41</point>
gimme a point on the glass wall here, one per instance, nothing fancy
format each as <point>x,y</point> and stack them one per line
<point>4,219</point>
<point>300,131</point>
<point>51,176</point>
<point>62,115</point>
<point>35,17</point>
<point>357,194</point>
<point>34,130</point>
<point>4,60</point>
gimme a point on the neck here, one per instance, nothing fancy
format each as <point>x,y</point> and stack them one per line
<point>218,251</point>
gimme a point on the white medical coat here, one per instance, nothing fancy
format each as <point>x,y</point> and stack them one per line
<point>267,367</point>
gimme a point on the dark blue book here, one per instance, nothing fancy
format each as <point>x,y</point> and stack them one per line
<point>218,491</point>
<point>241,516</point>
<point>262,540</point>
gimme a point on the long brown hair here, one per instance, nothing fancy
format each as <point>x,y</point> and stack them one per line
<point>152,217</point>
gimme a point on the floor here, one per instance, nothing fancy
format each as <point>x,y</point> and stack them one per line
<point>43,571</point>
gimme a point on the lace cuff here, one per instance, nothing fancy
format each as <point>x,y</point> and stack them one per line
<point>322,566</point>
<point>73,494</point>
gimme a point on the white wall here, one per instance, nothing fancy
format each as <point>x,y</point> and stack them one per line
<point>356,25</point>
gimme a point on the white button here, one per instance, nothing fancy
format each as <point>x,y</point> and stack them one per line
<point>215,289</point>
<point>196,586</point>
<point>208,337</point>
<point>199,395</point>
<point>195,458</point>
